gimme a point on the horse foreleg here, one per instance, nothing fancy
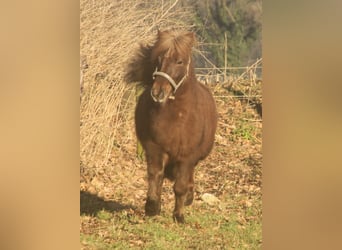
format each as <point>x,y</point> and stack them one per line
<point>155,171</point>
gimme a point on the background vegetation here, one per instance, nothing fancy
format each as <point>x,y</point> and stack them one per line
<point>113,178</point>
<point>239,20</point>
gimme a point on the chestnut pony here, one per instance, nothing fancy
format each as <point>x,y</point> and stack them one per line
<point>175,117</point>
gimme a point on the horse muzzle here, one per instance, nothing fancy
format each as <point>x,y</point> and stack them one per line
<point>160,93</point>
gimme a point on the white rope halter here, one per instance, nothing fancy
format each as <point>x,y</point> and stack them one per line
<point>169,78</point>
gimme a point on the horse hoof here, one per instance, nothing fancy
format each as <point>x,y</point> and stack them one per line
<point>152,208</point>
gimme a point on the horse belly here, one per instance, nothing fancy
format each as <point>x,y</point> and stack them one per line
<point>181,143</point>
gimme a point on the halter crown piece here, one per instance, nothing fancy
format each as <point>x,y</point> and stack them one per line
<point>169,78</point>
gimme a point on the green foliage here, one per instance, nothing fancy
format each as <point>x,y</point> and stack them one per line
<point>240,20</point>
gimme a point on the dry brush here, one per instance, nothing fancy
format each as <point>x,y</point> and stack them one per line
<point>109,35</point>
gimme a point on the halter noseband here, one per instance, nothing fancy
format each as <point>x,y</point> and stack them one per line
<point>169,78</point>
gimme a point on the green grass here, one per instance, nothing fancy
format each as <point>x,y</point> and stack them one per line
<point>244,130</point>
<point>205,228</point>
<point>104,215</point>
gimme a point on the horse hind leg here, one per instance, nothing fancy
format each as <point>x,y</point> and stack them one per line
<point>180,195</point>
<point>181,188</point>
<point>168,172</point>
<point>190,194</point>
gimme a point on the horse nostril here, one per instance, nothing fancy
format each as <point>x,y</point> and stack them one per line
<point>157,94</point>
<point>154,92</point>
<point>161,95</point>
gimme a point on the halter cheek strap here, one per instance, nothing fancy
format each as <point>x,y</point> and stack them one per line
<point>169,78</point>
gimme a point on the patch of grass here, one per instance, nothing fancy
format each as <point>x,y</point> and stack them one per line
<point>103,215</point>
<point>205,228</point>
<point>243,130</point>
<point>92,242</point>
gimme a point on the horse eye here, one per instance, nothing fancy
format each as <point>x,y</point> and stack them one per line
<point>179,62</point>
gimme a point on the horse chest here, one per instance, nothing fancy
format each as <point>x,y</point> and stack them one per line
<point>168,127</point>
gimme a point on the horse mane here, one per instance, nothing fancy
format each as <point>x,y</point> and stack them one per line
<point>142,65</point>
<point>173,41</point>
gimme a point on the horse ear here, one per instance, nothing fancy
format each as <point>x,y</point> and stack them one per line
<point>192,37</point>
<point>158,32</point>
